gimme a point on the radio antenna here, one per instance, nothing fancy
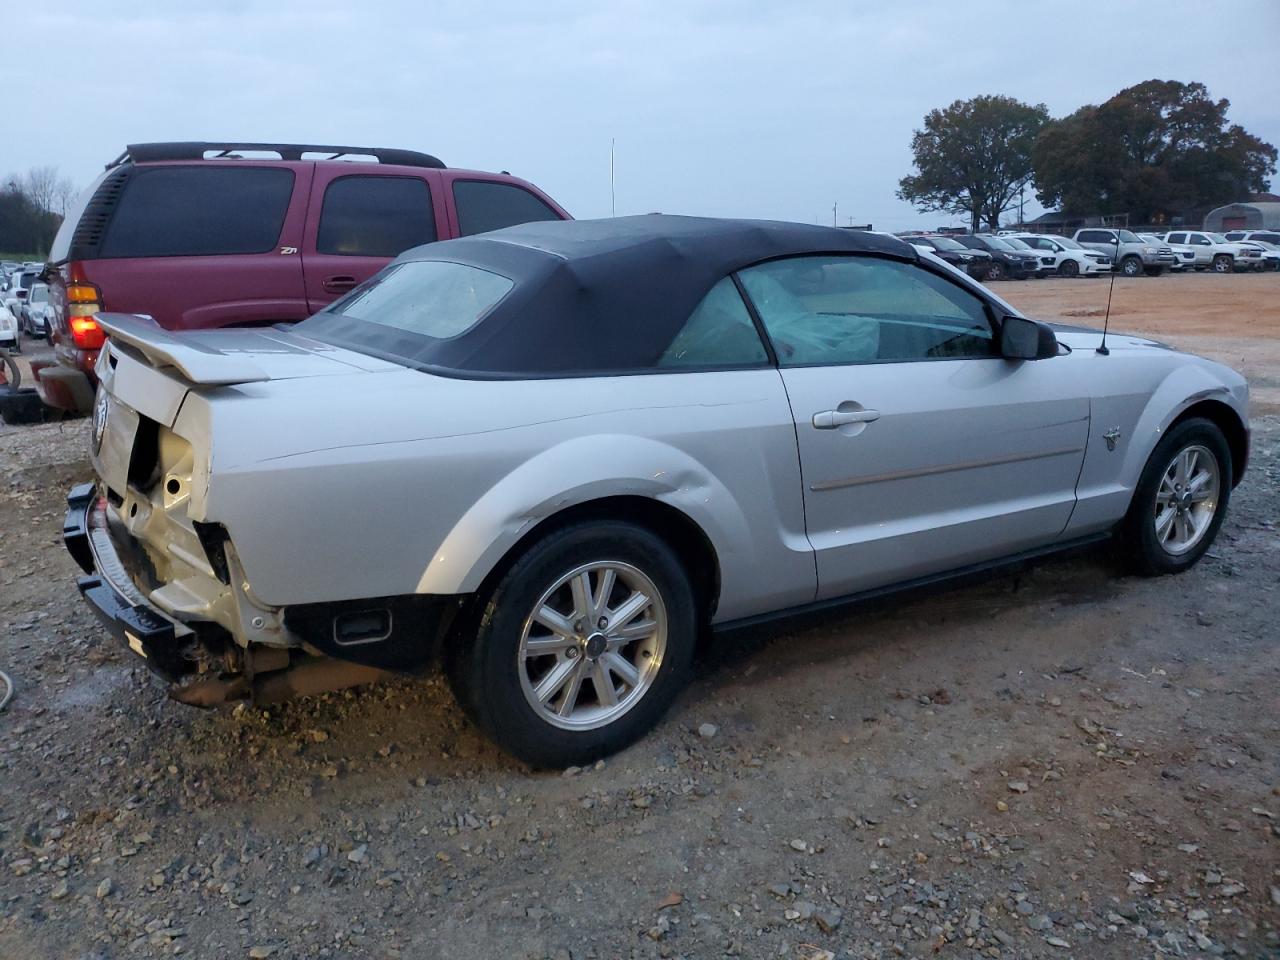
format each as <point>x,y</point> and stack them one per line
<point>1106,319</point>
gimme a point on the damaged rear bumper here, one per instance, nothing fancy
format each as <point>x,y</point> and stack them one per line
<point>163,643</point>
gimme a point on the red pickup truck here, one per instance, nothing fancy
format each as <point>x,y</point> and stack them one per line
<point>199,235</point>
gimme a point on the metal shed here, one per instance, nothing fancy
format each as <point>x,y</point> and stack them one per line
<point>1262,215</point>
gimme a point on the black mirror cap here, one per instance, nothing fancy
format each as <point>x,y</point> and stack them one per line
<point>1023,339</point>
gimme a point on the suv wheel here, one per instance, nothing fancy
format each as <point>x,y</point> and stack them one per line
<point>1131,266</point>
<point>582,645</point>
<point>1180,500</point>
<point>1222,263</point>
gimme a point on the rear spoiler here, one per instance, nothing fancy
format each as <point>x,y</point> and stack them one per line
<point>162,348</point>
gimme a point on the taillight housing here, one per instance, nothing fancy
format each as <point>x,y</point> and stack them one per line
<point>84,299</point>
<point>85,333</point>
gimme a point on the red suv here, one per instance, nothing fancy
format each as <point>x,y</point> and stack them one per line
<point>201,235</point>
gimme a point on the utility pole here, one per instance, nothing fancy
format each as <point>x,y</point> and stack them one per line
<point>834,207</point>
<point>1022,220</point>
<point>613,195</point>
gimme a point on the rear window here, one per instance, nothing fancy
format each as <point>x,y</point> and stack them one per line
<point>484,205</point>
<point>367,216</point>
<point>429,300</point>
<point>199,211</point>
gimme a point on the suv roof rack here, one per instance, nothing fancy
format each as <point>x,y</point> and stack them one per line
<point>196,150</point>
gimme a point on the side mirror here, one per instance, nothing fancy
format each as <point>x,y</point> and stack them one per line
<point>1023,339</point>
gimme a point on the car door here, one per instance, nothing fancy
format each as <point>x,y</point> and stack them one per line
<point>357,222</point>
<point>921,449</point>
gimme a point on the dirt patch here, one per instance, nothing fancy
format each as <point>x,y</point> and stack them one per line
<point>1063,763</point>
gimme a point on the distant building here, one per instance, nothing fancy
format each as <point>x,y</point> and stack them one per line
<point>1250,215</point>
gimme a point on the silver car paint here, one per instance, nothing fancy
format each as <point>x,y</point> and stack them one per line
<point>341,476</point>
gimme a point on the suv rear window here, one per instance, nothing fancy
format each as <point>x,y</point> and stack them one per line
<point>484,205</point>
<point>367,216</point>
<point>191,211</point>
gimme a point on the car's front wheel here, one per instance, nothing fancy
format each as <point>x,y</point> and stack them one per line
<point>581,646</point>
<point>1180,500</point>
<point>1068,268</point>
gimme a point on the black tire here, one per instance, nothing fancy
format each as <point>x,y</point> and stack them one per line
<point>1139,546</point>
<point>995,271</point>
<point>1223,263</point>
<point>1130,266</point>
<point>486,672</point>
<point>1068,268</point>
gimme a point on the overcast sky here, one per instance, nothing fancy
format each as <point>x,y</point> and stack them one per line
<point>735,108</point>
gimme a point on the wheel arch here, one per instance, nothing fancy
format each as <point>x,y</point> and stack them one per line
<point>1228,421</point>
<point>673,526</point>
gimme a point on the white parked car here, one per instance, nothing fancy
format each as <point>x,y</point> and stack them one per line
<point>1184,254</point>
<point>1264,236</point>
<point>10,335</point>
<point>1215,252</point>
<point>1070,259</point>
<point>555,455</point>
<point>36,311</point>
<point>1270,253</point>
<point>16,289</point>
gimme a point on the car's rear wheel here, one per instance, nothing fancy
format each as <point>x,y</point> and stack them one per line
<point>1180,500</point>
<point>581,647</point>
<point>1068,268</point>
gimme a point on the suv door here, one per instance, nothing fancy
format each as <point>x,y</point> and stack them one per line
<point>921,449</point>
<point>358,221</point>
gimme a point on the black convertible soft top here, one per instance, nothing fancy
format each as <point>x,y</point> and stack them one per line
<point>593,296</point>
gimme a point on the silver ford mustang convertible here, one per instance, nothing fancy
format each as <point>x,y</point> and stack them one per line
<point>550,457</point>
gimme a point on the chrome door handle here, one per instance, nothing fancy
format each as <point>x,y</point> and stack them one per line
<point>830,419</point>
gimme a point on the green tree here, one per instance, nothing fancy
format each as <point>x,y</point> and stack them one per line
<point>974,157</point>
<point>1155,150</point>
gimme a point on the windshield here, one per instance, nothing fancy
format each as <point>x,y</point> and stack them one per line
<point>1128,237</point>
<point>1068,243</point>
<point>1217,238</point>
<point>1017,244</point>
<point>996,243</point>
<point>39,293</point>
<point>431,298</point>
<point>946,243</point>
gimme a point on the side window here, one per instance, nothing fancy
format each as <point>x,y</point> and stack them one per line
<point>1175,238</point>
<point>365,216</point>
<point>1095,236</point>
<point>838,310</point>
<point>199,211</point>
<point>1199,239</point>
<point>719,333</point>
<point>486,205</point>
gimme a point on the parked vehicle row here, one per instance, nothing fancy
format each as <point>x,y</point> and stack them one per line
<point>1013,256</point>
<point>1133,254</point>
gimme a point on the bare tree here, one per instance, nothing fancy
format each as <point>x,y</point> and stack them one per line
<point>40,184</point>
<point>64,194</point>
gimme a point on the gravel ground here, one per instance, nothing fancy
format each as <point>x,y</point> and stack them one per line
<point>1059,764</point>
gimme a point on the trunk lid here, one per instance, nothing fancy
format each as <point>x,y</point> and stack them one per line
<point>234,355</point>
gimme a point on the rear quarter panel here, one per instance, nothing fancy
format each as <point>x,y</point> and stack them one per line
<point>406,483</point>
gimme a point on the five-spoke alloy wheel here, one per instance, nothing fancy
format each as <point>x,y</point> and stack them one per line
<point>592,645</point>
<point>1180,499</point>
<point>581,646</point>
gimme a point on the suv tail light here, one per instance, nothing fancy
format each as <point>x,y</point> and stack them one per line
<point>86,333</point>
<point>83,301</point>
